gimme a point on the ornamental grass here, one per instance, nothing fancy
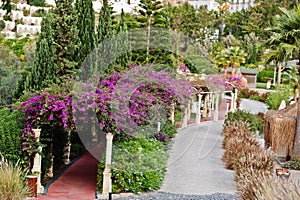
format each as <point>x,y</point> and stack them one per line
<point>237,148</point>
<point>248,183</point>
<point>271,188</point>
<point>258,160</point>
<point>12,181</point>
<point>235,129</point>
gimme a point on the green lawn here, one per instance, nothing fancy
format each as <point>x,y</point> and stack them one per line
<point>261,85</point>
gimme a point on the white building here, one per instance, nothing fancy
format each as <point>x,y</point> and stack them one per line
<point>9,34</point>
<point>238,5</point>
<point>234,5</point>
<point>210,4</point>
<point>128,6</point>
<point>32,20</point>
<point>9,25</point>
<point>16,15</point>
<point>28,29</point>
<point>22,6</point>
<point>2,12</point>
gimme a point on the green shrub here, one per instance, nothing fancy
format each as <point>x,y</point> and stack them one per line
<point>12,181</point>
<point>293,164</point>
<point>262,98</point>
<point>26,12</point>
<point>36,2</point>
<point>253,95</point>
<point>138,166</point>
<point>169,129</point>
<point>263,75</point>
<point>10,128</point>
<point>275,98</point>
<point>256,123</point>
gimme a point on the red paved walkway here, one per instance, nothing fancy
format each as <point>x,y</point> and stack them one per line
<point>78,182</point>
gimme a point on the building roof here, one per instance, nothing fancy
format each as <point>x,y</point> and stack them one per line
<point>244,70</point>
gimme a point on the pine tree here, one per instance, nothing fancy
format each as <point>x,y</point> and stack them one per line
<point>43,72</point>
<point>86,27</point>
<point>66,40</point>
<point>155,39</point>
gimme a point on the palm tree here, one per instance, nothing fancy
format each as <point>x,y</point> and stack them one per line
<point>236,56</point>
<point>221,60</point>
<point>292,79</point>
<point>279,52</point>
<point>287,26</point>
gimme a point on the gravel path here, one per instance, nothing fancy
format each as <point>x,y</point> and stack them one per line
<point>195,170</point>
<point>253,106</point>
<point>195,165</point>
<point>171,196</point>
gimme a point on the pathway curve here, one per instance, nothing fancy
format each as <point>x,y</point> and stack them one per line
<point>77,182</point>
<point>195,165</point>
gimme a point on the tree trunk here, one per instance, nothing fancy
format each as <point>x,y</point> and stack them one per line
<point>279,74</point>
<point>233,69</point>
<point>148,38</point>
<point>225,69</point>
<point>296,149</point>
<point>67,148</point>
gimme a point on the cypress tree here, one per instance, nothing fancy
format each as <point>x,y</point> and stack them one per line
<point>104,29</point>
<point>86,27</point>
<point>43,72</point>
<point>107,45</point>
<point>66,40</point>
<point>122,44</point>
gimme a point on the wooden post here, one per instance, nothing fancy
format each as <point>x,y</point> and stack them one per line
<point>173,114</point>
<point>235,99</point>
<point>198,115</point>
<point>158,126</point>
<point>204,113</point>
<point>216,113</point>
<point>185,115</point>
<point>213,102</point>
<point>107,172</point>
<point>37,162</point>
<point>232,101</point>
<point>189,110</point>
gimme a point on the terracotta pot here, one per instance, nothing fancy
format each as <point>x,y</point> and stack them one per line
<point>32,184</point>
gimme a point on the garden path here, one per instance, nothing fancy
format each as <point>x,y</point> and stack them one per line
<point>195,165</point>
<point>253,106</point>
<point>77,182</point>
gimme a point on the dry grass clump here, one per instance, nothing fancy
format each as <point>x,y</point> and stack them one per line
<point>258,160</point>
<point>243,154</point>
<point>249,169</point>
<point>12,185</point>
<point>273,188</point>
<point>235,129</point>
<point>248,182</point>
<point>237,148</point>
